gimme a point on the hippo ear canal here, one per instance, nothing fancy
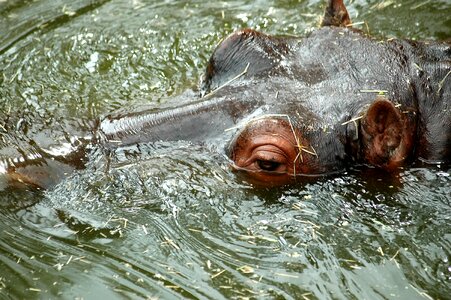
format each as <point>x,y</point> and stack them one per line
<point>383,134</point>
<point>336,14</point>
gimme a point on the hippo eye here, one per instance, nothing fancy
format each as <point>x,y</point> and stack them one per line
<point>268,165</point>
<point>269,158</point>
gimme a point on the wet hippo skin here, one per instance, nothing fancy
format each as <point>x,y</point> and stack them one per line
<point>294,107</point>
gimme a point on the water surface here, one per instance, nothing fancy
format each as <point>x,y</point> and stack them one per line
<point>171,220</point>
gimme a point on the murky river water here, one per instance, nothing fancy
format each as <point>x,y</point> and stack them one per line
<point>172,221</point>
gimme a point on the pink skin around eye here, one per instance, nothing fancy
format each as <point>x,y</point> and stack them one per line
<point>266,153</point>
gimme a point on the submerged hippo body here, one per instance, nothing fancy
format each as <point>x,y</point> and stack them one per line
<point>288,107</point>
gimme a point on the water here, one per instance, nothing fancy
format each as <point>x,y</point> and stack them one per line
<point>172,221</point>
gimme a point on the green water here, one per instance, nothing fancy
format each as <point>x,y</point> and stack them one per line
<point>172,221</point>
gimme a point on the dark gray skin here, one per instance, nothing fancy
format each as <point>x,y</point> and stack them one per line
<point>284,108</point>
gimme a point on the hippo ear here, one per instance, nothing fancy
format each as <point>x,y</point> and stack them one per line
<point>386,137</point>
<point>336,14</point>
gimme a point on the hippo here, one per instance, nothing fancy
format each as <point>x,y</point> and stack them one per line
<point>290,108</point>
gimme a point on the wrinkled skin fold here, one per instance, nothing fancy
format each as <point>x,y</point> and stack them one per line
<point>283,108</point>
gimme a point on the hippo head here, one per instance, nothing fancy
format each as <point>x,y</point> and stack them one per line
<point>326,102</point>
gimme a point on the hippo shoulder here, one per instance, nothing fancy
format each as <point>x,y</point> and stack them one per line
<point>431,76</point>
